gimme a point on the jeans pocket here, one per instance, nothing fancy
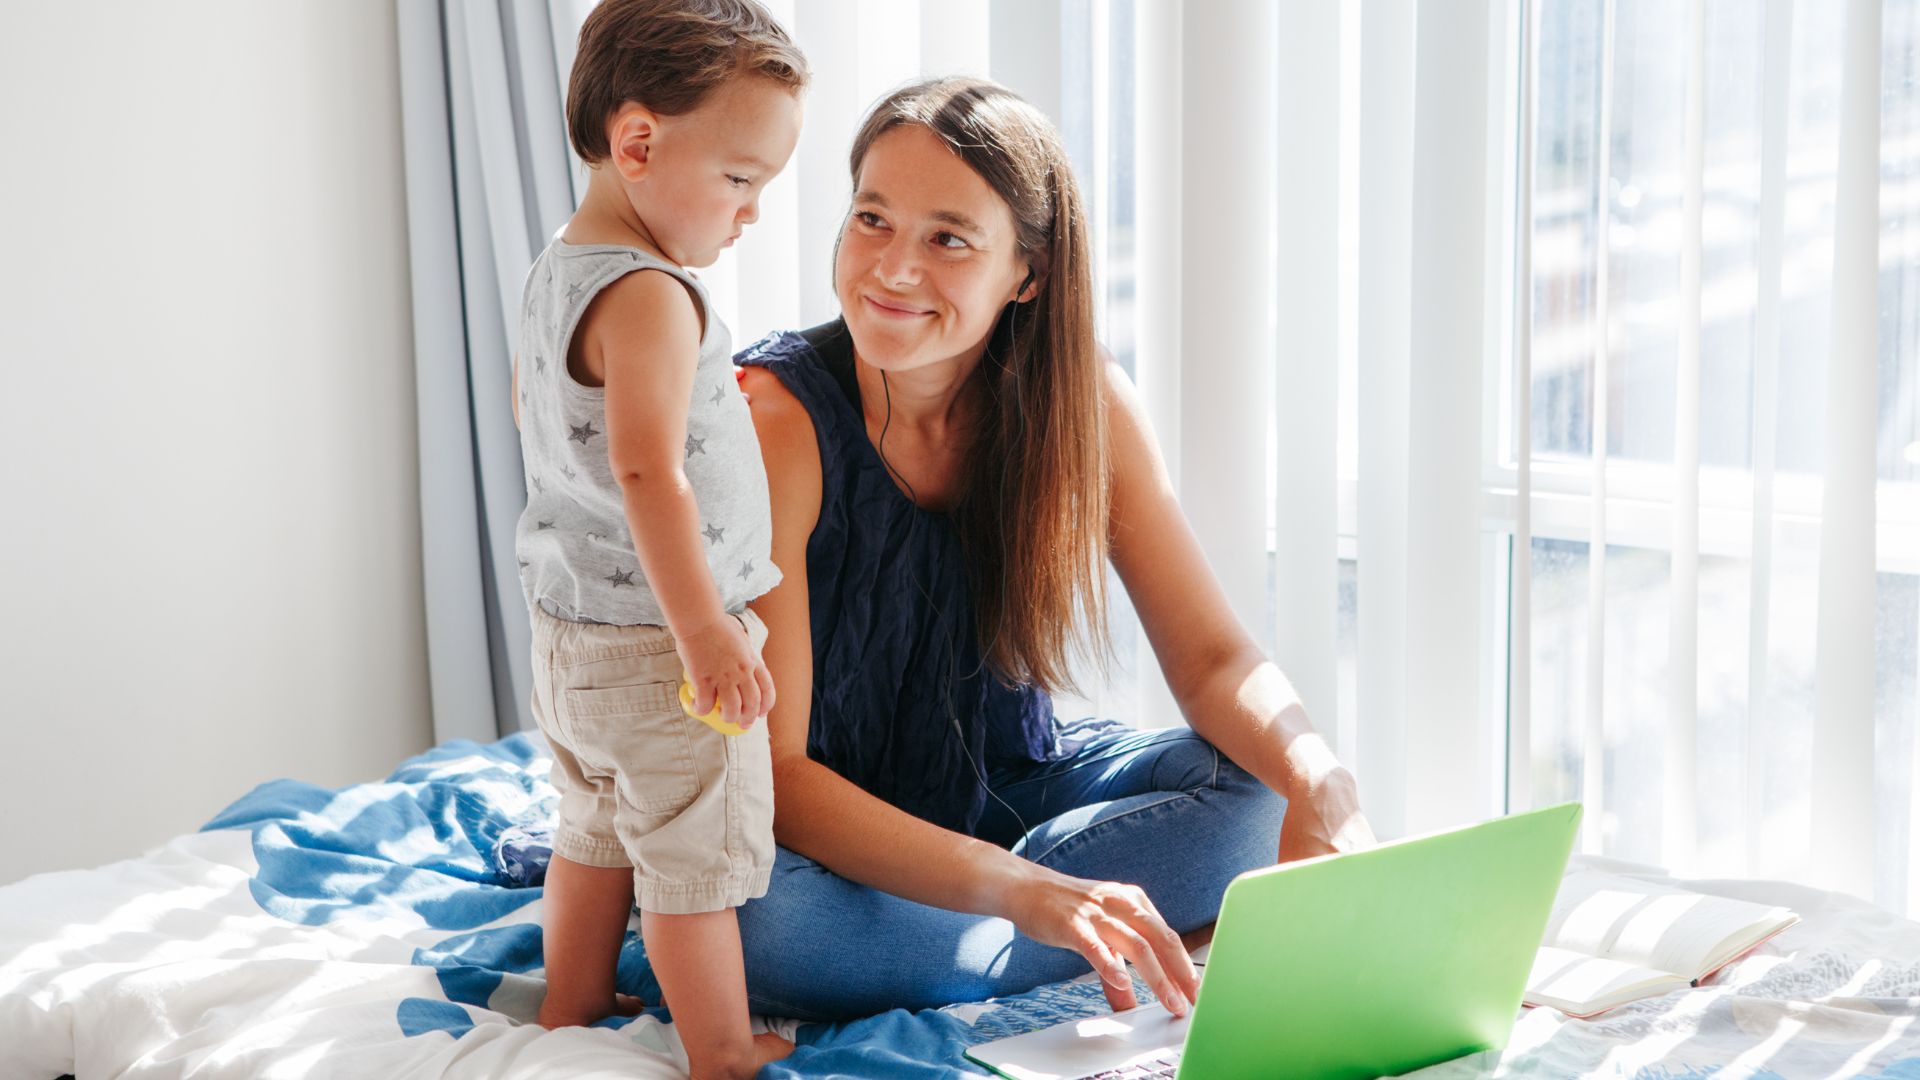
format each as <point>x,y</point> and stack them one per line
<point>637,734</point>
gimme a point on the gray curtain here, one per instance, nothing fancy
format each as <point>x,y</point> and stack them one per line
<point>488,181</point>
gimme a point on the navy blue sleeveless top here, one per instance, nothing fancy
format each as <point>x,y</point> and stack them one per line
<point>901,698</point>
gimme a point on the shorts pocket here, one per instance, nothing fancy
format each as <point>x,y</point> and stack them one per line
<point>638,734</point>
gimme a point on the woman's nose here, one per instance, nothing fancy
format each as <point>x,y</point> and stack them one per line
<point>897,264</point>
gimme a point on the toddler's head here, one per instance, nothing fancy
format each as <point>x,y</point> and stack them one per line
<point>691,106</point>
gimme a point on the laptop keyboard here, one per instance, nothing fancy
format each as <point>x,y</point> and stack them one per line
<point>1146,1070</point>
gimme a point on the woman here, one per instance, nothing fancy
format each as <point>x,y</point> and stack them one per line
<point>951,465</point>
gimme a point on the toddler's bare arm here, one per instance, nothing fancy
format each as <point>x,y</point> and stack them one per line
<point>642,334</point>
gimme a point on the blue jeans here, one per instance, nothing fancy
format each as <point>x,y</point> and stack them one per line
<point>1160,809</point>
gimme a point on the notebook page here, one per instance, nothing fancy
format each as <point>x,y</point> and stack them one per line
<point>1655,926</point>
<point>1580,985</point>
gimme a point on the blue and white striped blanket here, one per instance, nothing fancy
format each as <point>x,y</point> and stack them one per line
<point>374,931</point>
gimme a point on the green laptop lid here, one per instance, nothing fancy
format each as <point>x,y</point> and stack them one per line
<point>1381,961</point>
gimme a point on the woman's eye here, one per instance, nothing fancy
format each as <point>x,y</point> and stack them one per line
<point>868,218</point>
<point>949,241</point>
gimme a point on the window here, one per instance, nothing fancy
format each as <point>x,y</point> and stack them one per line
<point>1752,758</point>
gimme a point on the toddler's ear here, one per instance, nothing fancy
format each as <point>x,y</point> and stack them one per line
<point>630,134</point>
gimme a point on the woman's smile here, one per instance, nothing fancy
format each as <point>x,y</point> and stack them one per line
<point>892,309</point>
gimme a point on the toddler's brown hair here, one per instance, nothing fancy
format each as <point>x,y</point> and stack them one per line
<point>668,55</point>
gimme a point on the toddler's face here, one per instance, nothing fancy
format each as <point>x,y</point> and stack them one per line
<point>706,168</point>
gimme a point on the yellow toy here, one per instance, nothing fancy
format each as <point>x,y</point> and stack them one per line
<point>712,719</point>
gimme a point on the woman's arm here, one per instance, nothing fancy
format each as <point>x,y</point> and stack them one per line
<point>1226,687</point>
<point>829,819</point>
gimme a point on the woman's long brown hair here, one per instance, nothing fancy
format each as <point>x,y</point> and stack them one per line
<point>1032,512</point>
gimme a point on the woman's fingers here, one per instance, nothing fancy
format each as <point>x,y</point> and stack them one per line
<point>1111,969</point>
<point>1166,944</point>
<point>1111,925</point>
<point>1128,943</point>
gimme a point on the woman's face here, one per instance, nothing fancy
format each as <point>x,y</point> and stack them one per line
<point>928,256</point>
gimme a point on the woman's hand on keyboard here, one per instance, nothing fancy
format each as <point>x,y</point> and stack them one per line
<point>1111,925</point>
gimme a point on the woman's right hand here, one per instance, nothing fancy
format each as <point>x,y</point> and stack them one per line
<point>1110,924</point>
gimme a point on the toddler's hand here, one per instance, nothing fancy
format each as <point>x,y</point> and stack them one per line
<point>723,669</point>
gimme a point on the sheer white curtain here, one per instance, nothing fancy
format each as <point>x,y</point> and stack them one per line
<point>1637,384</point>
<point>488,181</point>
<point>1714,378</point>
<point>1542,379</point>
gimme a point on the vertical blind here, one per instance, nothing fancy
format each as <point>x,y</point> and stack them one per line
<point>1543,380</point>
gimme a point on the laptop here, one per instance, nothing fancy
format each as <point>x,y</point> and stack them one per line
<point>1371,963</point>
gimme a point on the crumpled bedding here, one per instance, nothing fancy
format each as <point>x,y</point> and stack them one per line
<point>387,929</point>
<point>1835,995</point>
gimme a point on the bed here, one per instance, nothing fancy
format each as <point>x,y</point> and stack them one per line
<point>386,929</point>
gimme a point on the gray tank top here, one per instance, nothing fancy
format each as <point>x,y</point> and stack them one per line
<point>576,554</point>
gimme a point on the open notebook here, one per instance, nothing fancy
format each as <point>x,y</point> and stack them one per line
<point>1612,939</point>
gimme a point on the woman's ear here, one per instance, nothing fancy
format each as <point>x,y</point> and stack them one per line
<point>630,135</point>
<point>1030,286</point>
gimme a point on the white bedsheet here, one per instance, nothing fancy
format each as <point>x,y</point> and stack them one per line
<point>165,966</point>
<point>377,943</point>
<point>1837,995</point>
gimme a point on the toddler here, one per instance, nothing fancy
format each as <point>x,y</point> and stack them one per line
<point>647,528</point>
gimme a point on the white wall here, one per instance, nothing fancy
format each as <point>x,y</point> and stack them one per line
<point>209,537</point>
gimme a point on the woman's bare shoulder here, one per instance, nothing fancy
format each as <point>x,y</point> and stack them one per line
<point>785,430</point>
<point>1130,440</point>
<point>777,414</point>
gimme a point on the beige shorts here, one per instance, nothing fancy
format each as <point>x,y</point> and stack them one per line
<point>643,784</point>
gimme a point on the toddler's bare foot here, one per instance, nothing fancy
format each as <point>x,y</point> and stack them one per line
<point>556,1014</point>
